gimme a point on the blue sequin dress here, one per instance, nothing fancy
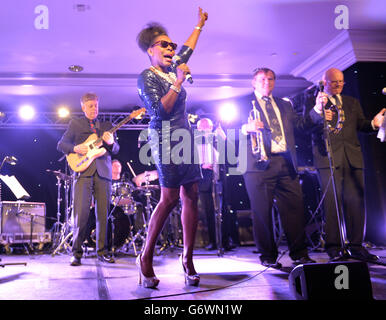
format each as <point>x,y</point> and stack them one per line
<point>151,88</point>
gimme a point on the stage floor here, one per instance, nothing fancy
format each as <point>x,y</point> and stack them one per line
<point>236,275</point>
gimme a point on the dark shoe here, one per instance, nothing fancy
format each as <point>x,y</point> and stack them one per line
<point>361,253</point>
<point>75,261</point>
<point>271,263</point>
<point>106,258</point>
<point>303,260</point>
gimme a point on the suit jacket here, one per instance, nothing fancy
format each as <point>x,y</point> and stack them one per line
<point>291,121</point>
<point>345,142</point>
<point>77,132</point>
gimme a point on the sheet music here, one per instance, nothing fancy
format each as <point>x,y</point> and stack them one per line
<point>15,187</point>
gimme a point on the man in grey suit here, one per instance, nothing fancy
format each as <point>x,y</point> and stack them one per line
<point>95,181</point>
<point>345,119</point>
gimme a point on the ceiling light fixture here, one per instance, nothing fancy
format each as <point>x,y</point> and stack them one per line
<point>75,68</point>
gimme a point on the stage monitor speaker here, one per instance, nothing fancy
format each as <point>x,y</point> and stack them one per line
<point>331,281</point>
<point>22,221</point>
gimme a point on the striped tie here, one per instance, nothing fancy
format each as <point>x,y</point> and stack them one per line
<point>274,124</point>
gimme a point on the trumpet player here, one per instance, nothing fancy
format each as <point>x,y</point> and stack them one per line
<point>271,173</point>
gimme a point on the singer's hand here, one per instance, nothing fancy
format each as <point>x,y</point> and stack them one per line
<point>378,119</point>
<point>182,71</point>
<point>202,17</point>
<point>321,100</point>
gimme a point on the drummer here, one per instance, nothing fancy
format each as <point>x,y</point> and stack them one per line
<point>116,169</point>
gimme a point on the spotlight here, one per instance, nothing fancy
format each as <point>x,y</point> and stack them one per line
<point>227,112</point>
<point>26,112</point>
<point>63,112</point>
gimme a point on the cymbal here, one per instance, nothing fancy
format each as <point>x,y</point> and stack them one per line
<point>148,187</point>
<point>60,175</point>
<point>145,176</point>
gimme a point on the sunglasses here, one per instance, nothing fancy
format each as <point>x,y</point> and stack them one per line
<point>165,44</point>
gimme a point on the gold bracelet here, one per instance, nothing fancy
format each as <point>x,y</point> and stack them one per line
<point>175,89</point>
<point>198,28</point>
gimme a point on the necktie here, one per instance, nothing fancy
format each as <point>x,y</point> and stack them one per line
<point>276,134</point>
<point>341,117</point>
<point>92,126</point>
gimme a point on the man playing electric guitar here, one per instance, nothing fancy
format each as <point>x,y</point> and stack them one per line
<point>94,179</point>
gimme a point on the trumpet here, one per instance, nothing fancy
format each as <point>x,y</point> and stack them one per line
<point>258,149</point>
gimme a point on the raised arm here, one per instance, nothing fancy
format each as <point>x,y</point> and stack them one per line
<point>193,38</point>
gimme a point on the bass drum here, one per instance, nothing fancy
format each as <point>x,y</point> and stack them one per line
<point>121,228</point>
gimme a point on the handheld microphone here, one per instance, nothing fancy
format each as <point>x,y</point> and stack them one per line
<point>321,86</point>
<point>177,61</point>
<point>321,89</point>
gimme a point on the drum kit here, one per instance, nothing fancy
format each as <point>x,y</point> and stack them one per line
<point>130,210</point>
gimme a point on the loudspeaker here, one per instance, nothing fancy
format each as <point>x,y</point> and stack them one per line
<point>22,222</point>
<point>331,281</point>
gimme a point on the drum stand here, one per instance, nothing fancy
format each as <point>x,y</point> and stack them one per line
<point>112,218</point>
<point>66,232</point>
<point>171,241</point>
<point>142,232</point>
<point>57,225</point>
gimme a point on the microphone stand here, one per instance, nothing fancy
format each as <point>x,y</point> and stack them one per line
<point>341,223</point>
<point>217,194</point>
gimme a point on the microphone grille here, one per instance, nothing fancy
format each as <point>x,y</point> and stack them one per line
<point>176,59</point>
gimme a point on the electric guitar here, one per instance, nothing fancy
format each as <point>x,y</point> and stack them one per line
<point>80,163</point>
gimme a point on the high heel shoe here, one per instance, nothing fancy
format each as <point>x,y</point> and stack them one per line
<point>190,280</point>
<point>147,282</point>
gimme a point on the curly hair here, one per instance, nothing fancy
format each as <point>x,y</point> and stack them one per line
<point>147,35</point>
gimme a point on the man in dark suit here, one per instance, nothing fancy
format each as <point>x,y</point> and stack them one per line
<point>275,179</point>
<point>345,119</point>
<point>94,181</point>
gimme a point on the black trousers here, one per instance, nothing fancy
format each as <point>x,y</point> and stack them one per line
<point>349,183</point>
<point>277,183</point>
<point>205,203</point>
<point>84,188</point>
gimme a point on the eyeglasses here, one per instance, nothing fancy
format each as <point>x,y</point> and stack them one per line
<point>165,44</point>
<point>335,82</point>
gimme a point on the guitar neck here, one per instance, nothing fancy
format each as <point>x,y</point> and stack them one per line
<point>120,124</point>
<point>115,128</point>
